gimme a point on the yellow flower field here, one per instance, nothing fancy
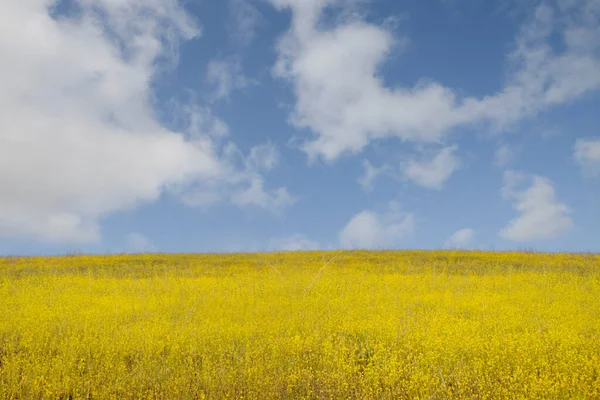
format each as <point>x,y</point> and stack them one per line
<point>335,325</point>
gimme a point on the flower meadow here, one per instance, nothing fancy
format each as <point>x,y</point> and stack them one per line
<point>312,325</point>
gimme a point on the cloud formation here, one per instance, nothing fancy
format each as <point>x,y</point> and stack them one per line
<point>373,230</point>
<point>342,99</point>
<point>541,215</point>
<point>241,181</point>
<point>432,173</point>
<point>226,76</point>
<point>244,21</point>
<point>79,136</point>
<point>587,155</point>
<point>371,173</point>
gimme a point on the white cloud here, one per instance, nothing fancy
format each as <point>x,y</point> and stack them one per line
<point>138,243</point>
<point>370,174</point>
<point>428,171</point>
<point>79,137</point>
<point>263,157</point>
<point>342,99</point>
<point>255,195</point>
<point>54,227</point>
<point>296,242</point>
<point>461,238</point>
<point>242,182</point>
<point>372,230</point>
<point>587,155</point>
<point>226,76</point>
<point>541,215</point>
<point>432,173</point>
<point>245,19</point>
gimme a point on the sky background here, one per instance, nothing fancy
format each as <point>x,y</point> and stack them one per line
<point>264,125</point>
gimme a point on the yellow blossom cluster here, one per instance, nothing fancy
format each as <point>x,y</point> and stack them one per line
<point>313,325</point>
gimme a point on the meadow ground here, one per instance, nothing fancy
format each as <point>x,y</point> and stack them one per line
<point>412,324</point>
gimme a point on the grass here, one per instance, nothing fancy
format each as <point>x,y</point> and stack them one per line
<point>412,324</point>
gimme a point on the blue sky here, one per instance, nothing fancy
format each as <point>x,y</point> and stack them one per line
<point>253,125</point>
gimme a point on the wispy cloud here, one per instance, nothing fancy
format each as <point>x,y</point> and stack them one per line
<point>242,182</point>
<point>226,75</point>
<point>504,155</point>
<point>587,155</point>
<point>371,173</point>
<point>430,170</point>
<point>245,19</point>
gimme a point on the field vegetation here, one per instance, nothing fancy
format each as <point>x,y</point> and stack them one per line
<point>333,325</point>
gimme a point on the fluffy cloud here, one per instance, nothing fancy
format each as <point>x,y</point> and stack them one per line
<point>541,215</point>
<point>432,173</point>
<point>461,238</point>
<point>342,99</point>
<point>587,155</point>
<point>79,137</point>
<point>295,242</point>
<point>372,230</point>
